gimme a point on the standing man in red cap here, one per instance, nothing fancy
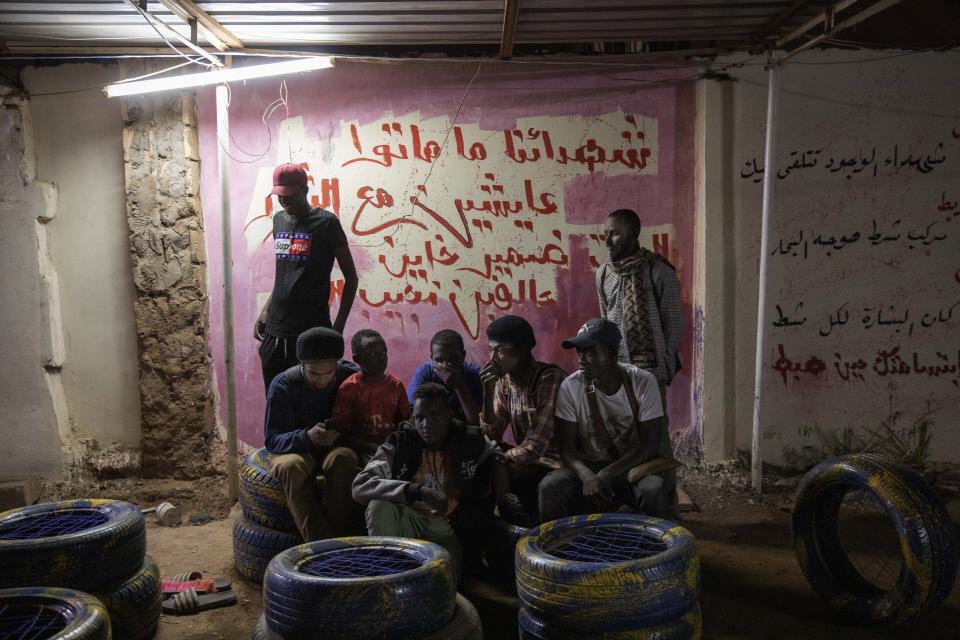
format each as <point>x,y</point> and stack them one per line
<point>306,241</point>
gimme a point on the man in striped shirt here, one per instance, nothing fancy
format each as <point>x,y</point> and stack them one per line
<point>639,291</point>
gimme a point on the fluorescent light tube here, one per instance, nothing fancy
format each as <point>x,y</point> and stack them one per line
<point>298,65</point>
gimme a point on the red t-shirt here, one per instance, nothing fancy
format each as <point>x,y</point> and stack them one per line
<point>372,410</point>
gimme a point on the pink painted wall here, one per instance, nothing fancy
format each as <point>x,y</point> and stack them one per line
<point>646,130</point>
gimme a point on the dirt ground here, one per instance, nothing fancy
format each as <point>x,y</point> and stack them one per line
<point>752,585</point>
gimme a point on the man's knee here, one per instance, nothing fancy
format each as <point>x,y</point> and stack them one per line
<point>654,495</point>
<point>650,486</point>
<point>341,458</point>
<point>291,467</point>
<point>557,482</point>
<point>382,517</point>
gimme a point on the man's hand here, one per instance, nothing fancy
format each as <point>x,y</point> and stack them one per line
<point>596,488</point>
<point>436,500</point>
<point>450,376</point>
<point>320,437</point>
<point>260,326</point>
<point>490,373</point>
<point>334,423</point>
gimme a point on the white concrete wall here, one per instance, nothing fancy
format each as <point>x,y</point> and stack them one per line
<point>69,381</point>
<point>28,420</point>
<point>79,150</point>
<point>858,145</point>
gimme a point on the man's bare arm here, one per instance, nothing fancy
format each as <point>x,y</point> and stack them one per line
<point>350,283</point>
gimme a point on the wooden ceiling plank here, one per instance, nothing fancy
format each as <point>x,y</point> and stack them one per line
<point>511,12</point>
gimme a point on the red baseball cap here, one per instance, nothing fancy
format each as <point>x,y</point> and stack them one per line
<point>288,179</point>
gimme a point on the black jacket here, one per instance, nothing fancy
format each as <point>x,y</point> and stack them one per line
<point>469,456</point>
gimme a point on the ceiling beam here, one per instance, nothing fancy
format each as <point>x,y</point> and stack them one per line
<point>219,36</point>
<point>814,22</point>
<point>831,29</point>
<point>156,23</point>
<point>511,12</point>
<point>778,21</point>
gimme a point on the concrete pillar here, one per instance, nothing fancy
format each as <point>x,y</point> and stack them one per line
<point>716,270</point>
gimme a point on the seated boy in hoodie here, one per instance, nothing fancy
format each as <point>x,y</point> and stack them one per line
<point>435,479</point>
<point>370,404</point>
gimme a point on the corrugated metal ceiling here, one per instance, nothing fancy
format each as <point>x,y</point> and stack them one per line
<point>272,24</point>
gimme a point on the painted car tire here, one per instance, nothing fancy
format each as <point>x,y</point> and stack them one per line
<point>687,627</point>
<point>134,606</point>
<point>464,625</point>
<point>87,619</point>
<point>254,546</point>
<point>89,559</point>
<point>411,603</point>
<point>608,596</point>
<point>928,541</point>
<point>261,632</point>
<point>261,496</point>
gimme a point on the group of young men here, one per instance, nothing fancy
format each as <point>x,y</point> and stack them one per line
<point>438,458</point>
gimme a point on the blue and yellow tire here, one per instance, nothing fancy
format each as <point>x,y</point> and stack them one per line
<point>103,554</point>
<point>135,604</point>
<point>464,625</point>
<point>928,542</point>
<point>254,546</point>
<point>687,627</point>
<point>261,496</point>
<point>82,616</point>
<point>410,603</point>
<point>261,632</point>
<point>597,597</point>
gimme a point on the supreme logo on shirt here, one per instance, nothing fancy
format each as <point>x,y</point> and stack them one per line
<point>293,247</point>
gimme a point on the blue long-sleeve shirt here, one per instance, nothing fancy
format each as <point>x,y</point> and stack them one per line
<point>293,406</point>
<point>471,377</point>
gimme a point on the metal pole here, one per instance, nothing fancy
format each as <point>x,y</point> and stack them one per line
<point>769,175</point>
<point>223,168</point>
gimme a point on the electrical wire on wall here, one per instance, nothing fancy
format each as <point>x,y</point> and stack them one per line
<point>265,119</point>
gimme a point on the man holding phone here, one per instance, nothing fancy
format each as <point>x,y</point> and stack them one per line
<point>300,437</point>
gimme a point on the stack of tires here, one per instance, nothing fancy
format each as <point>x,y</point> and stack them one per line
<point>927,540</point>
<point>93,546</point>
<point>266,527</point>
<point>363,588</point>
<point>37,612</point>
<point>611,576</point>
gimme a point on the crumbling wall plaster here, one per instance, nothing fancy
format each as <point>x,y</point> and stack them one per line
<point>162,176</point>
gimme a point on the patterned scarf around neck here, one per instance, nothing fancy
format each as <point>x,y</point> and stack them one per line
<point>633,271</point>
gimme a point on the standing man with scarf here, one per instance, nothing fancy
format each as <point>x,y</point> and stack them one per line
<point>640,292</point>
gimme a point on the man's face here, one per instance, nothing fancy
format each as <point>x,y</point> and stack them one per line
<point>431,417</point>
<point>621,238</point>
<point>319,373</point>
<point>505,356</point>
<point>295,204</point>
<point>372,356</point>
<point>596,360</point>
<point>448,355</point>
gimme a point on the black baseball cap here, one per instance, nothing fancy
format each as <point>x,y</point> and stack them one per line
<point>594,332</point>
